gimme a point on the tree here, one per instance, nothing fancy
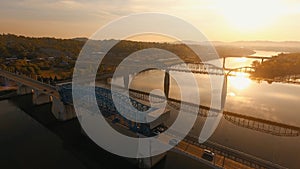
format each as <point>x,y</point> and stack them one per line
<point>255,63</point>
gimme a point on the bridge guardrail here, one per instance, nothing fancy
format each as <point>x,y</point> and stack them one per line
<point>230,153</point>
<point>29,79</point>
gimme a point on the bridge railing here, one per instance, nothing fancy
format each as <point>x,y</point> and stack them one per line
<point>229,153</point>
<point>28,79</point>
<point>201,68</point>
<point>266,126</point>
<point>235,155</point>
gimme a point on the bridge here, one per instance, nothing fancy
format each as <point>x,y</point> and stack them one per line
<point>62,109</point>
<point>42,93</point>
<point>262,58</point>
<point>62,106</point>
<point>249,57</point>
<point>225,156</point>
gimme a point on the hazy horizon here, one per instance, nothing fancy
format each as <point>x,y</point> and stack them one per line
<point>226,21</point>
<point>145,40</point>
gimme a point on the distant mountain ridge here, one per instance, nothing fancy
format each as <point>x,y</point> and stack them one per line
<point>283,46</point>
<point>279,46</point>
<point>32,48</point>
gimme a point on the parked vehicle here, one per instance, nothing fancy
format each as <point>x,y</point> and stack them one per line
<point>208,155</point>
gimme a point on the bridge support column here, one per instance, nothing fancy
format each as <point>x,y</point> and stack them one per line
<point>126,81</point>
<point>150,161</point>
<point>224,92</point>
<point>39,98</point>
<point>62,111</point>
<point>167,84</point>
<point>23,90</point>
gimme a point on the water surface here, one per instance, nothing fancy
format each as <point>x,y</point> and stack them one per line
<point>278,102</point>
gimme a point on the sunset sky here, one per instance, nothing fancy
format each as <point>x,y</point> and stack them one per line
<point>224,20</point>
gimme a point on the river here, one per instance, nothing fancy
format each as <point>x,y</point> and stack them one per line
<point>241,62</point>
<point>276,102</point>
<point>25,143</point>
<point>25,139</point>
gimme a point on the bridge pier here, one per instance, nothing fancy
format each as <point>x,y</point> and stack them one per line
<point>127,78</point>
<point>167,84</point>
<point>146,163</point>
<point>62,111</point>
<point>39,98</point>
<point>126,81</point>
<point>23,90</point>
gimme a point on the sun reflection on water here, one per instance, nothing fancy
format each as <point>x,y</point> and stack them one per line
<point>242,59</point>
<point>240,81</point>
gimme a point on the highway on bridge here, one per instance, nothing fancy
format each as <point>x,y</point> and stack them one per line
<point>34,84</point>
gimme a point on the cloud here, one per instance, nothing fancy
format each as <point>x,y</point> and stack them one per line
<point>204,14</point>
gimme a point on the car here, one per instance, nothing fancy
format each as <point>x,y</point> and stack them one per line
<point>208,155</point>
<point>173,142</point>
<point>161,129</point>
<point>156,132</point>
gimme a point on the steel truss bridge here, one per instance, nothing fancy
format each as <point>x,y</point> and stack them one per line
<point>105,102</point>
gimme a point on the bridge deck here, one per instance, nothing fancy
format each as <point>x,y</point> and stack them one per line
<point>42,87</point>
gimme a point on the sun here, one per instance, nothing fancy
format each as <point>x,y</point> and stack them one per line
<point>250,14</point>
